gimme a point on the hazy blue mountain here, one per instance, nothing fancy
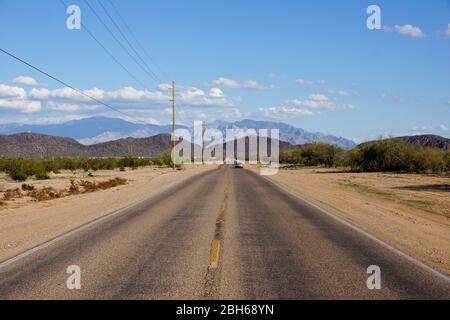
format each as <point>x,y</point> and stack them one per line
<point>91,130</point>
<point>288,133</point>
<point>95,130</point>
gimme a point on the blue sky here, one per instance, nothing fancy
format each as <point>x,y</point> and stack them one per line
<point>313,64</point>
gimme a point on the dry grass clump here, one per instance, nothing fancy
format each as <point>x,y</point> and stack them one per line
<point>12,194</point>
<point>74,188</point>
<point>50,193</point>
<point>89,186</point>
<point>46,193</point>
<point>27,187</point>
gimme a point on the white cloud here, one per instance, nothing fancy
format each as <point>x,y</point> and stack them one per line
<point>197,97</point>
<point>316,101</point>
<point>65,107</point>
<point>132,97</point>
<point>21,105</point>
<point>139,103</point>
<point>340,93</point>
<point>422,129</point>
<point>409,30</point>
<point>306,107</point>
<point>12,92</point>
<point>28,81</point>
<point>303,82</point>
<point>447,31</point>
<point>283,112</point>
<point>443,128</point>
<point>249,84</point>
<point>216,93</point>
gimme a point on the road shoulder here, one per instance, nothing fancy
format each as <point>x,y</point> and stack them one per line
<point>25,227</point>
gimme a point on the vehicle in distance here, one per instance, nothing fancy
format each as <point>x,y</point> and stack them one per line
<point>239,164</point>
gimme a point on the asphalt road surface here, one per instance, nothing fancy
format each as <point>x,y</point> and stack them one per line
<point>223,234</point>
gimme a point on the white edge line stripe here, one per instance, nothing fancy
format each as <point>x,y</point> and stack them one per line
<point>368,235</point>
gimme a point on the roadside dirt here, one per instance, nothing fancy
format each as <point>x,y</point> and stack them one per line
<point>408,211</point>
<point>25,223</point>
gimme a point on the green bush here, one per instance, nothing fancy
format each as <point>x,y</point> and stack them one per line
<point>21,169</point>
<point>313,155</point>
<point>18,175</point>
<point>397,156</point>
<point>42,176</point>
<point>164,159</point>
<point>394,155</point>
<point>447,161</point>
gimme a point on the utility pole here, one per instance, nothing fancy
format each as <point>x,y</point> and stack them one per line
<point>173,125</point>
<point>203,143</point>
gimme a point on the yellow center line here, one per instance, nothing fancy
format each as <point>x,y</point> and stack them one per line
<point>214,257</point>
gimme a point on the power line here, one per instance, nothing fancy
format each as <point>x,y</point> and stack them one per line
<point>129,43</point>
<point>109,53</point>
<point>136,39</point>
<point>118,41</point>
<point>68,85</point>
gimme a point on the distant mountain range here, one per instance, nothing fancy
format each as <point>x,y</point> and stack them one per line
<point>425,140</point>
<point>91,130</point>
<point>39,146</point>
<point>429,140</point>
<point>96,130</point>
<point>288,133</point>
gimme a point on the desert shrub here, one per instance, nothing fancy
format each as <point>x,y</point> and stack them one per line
<point>447,161</point>
<point>111,183</point>
<point>27,187</point>
<point>42,176</point>
<point>18,175</point>
<point>46,193</point>
<point>313,155</point>
<point>164,159</point>
<point>394,155</point>
<point>291,156</point>
<point>90,186</point>
<point>21,169</point>
<point>397,156</point>
<point>74,188</point>
<point>12,194</point>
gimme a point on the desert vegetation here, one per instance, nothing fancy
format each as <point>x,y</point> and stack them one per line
<point>49,193</point>
<point>21,169</point>
<point>391,155</point>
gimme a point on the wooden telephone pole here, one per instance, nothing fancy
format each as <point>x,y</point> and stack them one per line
<point>173,125</point>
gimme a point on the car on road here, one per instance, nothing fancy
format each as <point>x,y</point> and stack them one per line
<point>239,164</point>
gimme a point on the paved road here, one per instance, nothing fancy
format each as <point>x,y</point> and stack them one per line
<point>222,234</point>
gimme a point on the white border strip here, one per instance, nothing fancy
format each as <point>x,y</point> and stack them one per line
<point>366,234</point>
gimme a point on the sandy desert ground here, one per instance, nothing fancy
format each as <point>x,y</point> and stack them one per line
<point>409,211</point>
<point>25,223</point>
